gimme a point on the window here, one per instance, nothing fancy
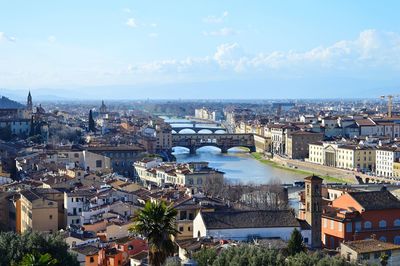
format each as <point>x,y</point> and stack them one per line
<point>91,259</point>
<point>383,239</point>
<point>365,256</point>
<point>397,222</point>
<point>377,255</point>
<point>51,217</point>
<point>183,215</point>
<point>367,225</point>
<point>180,228</point>
<point>397,240</point>
<point>325,223</point>
<point>306,240</point>
<point>349,227</point>
<point>358,226</point>
<point>189,229</point>
<point>382,224</point>
<point>99,163</point>
<point>332,224</point>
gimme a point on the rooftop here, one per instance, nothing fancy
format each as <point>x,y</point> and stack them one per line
<point>249,219</point>
<point>376,200</point>
<point>370,245</point>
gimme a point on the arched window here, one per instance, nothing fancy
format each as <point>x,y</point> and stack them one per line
<point>397,240</point>
<point>382,223</point>
<point>397,222</point>
<point>367,225</point>
<point>383,239</point>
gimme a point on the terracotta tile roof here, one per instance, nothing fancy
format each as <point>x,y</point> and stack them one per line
<point>376,200</point>
<point>370,245</point>
<point>249,219</point>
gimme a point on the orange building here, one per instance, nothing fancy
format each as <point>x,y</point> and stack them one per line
<point>130,246</point>
<point>361,215</point>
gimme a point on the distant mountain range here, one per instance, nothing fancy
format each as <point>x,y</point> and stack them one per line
<point>294,88</point>
<point>6,103</point>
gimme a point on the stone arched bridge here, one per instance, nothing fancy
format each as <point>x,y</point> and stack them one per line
<point>222,141</point>
<point>197,129</point>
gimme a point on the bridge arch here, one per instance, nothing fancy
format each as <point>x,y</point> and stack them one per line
<point>205,131</point>
<point>180,148</point>
<point>186,131</point>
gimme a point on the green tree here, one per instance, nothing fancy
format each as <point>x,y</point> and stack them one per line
<point>92,124</point>
<point>205,256</point>
<point>384,259</point>
<point>157,222</point>
<point>296,244</point>
<point>14,247</point>
<point>36,259</point>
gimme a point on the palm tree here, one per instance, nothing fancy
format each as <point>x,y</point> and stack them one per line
<point>157,222</point>
<point>38,260</point>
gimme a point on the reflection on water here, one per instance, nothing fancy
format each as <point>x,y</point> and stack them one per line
<point>238,165</point>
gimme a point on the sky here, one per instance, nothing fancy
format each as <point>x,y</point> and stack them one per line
<point>200,48</point>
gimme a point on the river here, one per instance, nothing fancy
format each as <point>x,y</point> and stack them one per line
<point>239,166</point>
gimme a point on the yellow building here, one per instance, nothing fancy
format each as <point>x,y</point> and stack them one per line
<point>187,211</point>
<point>396,169</point>
<point>345,156</point>
<point>35,212</point>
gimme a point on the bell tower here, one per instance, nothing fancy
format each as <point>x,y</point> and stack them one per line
<point>313,205</point>
<point>29,105</point>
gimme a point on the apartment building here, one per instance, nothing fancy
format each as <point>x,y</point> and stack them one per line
<point>278,136</point>
<point>361,215</point>
<point>387,158</point>
<point>185,174</point>
<point>34,212</point>
<point>75,157</point>
<point>345,156</point>
<point>297,143</point>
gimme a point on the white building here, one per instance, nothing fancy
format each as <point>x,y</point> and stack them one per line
<point>249,225</point>
<point>184,174</point>
<point>385,158</point>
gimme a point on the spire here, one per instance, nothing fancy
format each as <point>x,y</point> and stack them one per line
<point>29,104</point>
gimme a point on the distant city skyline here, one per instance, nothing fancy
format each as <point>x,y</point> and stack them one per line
<point>199,49</point>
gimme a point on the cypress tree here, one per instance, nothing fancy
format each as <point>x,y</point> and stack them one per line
<point>295,244</point>
<point>92,126</point>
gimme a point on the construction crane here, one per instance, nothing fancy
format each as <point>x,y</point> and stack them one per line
<point>390,103</point>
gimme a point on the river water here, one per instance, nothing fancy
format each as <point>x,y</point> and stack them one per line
<point>239,166</point>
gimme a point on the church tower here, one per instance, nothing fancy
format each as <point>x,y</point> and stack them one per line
<point>103,108</point>
<point>29,105</point>
<point>313,205</point>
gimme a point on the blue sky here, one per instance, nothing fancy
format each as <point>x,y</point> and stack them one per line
<point>281,49</point>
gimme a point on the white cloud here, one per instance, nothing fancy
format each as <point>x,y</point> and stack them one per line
<point>51,39</point>
<point>5,37</point>
<point>371,49</point>
<point>131,22</point>
<point>221,32</point>
<point>153,25</point>
<point>216,19</point>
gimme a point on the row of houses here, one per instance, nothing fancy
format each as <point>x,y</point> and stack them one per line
<point>192,174</point>
<point>380,160</point>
